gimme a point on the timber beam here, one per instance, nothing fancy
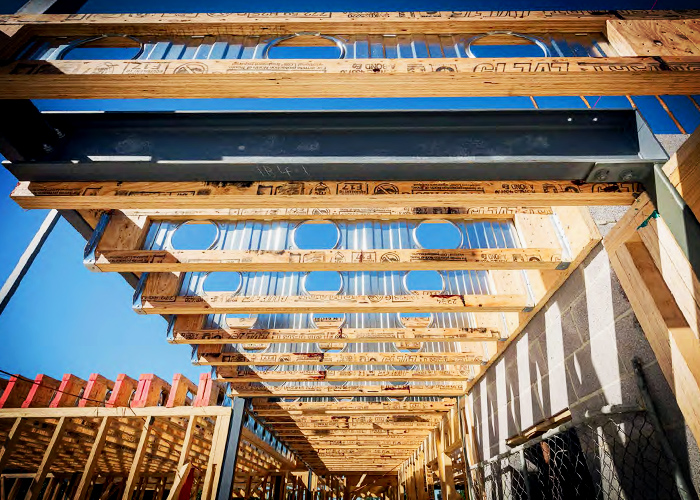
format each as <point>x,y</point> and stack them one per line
<point>440,77</point>
<point>445,388</point>
<point>324,260</point>
<point>181,334</point>
<point>331,359</point>
<point>194,195</point>
<point>151,300</point>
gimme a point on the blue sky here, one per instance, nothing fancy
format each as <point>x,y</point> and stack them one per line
<point>65,318</point>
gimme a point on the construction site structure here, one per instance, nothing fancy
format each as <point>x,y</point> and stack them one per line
<point>511,378</point>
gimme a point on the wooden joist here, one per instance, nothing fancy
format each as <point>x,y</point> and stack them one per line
<point>294,78</point>
<point>458,373</point>
<point>327,260</point>
<point>444,388</point>
<point>330,359</point>
<point>448,22</point>
<point>292,434</point>
<point>196,195</point>
<point>337,335</point>
<point>262,407</point>
<point>369,420</point>
<point>332,214</point>
<point>426,301</point>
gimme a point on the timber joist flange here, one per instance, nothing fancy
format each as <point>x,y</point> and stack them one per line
<point>620,34</point>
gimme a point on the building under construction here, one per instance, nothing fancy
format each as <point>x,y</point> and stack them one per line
<point>406,305</point>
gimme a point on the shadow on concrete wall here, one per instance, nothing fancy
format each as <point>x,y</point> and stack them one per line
<point>576,353</point>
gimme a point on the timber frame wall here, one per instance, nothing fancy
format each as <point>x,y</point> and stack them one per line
<point>73,438</point>
<point>648,53</point>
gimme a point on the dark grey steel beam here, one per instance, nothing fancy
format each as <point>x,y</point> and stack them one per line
<point>611,145</point>
<point>228,467</point>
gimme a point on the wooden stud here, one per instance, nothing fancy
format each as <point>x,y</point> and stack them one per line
<point>445,473</point>
<point>180,478</point>
<point>91,465</point>
<point>216,455</point>
<point>139,456</point>
<point>10,442</point>
<point>47,460</point>
<point>187,443</point>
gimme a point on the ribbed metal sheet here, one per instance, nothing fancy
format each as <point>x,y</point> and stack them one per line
<point>365,235</point>
<point>356,47</point>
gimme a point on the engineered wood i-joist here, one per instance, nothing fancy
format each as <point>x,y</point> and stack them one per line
<point>444,388</point>
<point>331,214</point>
<point>447,22</point>
<point>262,406</point>
<point>183,333</point>
<point>351,78</point>
<point>325,260</point>
<point>329,359</point>
<point>225,302</point>
<point>194,195</point>
<point>458,373</point>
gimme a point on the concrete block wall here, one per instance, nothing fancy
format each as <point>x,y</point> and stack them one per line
<point>576,353</point>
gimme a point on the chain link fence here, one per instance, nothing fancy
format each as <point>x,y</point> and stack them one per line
<point>610,455</point>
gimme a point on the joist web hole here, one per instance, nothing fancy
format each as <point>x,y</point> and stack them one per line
<point>313,235</point>
<point>323,282</point>
<point>437,235</point>
<point>418,281</point>
<point>413,320</point>
<point>195,235</point>
<point>305,46</point>
<point>505,44</point>
<point>222,282</point>
<point>103,47</point>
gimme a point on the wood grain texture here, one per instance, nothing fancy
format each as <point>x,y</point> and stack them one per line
<point>224,302</point>
<point>326,260</point>
<point>326,359</point>
<point>272,23</point>
<point>447,388</point>
<point>332,214</point>
<point>653,38</point>
<point>193,195</point>
<point>344,78</point>
<point>336,335</point>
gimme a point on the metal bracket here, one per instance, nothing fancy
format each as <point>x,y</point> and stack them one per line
<point>618,172</point>
<point>137,303</point>
<point>89,255</point>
